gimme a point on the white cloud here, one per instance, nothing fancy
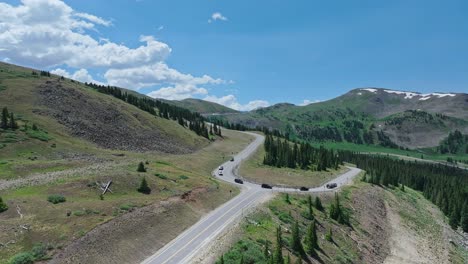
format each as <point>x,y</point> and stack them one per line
<point>80,75</point>
<point>307,102</point>
<point>217,16</point>
<point>49,33</point>
<point>46,33</point>
<point>160,28</point>
<point>231,102</point>
<point>155,74</point>
<point>94,19</point>
<point>178,92</point>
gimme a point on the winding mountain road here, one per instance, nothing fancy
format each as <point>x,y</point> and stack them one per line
<point>186,245</point>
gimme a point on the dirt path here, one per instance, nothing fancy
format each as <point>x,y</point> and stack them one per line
<point>408,246</point>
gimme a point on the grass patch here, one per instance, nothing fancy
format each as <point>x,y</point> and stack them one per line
<point>38,134</point>
<point>56,198</point>
<point>161,176</point>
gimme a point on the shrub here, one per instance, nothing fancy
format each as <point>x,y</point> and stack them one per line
<point>144,188</point>
<point>141,167</point>
<point>161,176</point>
<point>79,213</point>
<point>3,206</point>
<point>39,251</point>
<point>22,258</point>
<point>183,177</point>
<point>56,198</point>
<point>126,207</point>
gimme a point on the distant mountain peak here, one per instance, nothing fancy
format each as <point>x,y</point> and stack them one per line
<point>408,95</point>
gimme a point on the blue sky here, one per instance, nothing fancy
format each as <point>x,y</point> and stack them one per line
<point>252,53</point>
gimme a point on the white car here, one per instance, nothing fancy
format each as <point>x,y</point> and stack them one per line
<point>221,168</point>
<point>220,173</point>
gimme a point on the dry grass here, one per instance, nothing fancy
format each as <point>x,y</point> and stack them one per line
<point>254,170</point>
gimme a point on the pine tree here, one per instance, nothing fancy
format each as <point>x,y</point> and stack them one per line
<point>141,167</point>
<point>329,235</point>
<point>296,243</point>
<point>318,204</point>
<point>4,122</point>
<point>144,188</point>
<point>310,212</point>
<point>221,261</point>
<point>3,205</point>
<point>278,256</point>
<point>453,220</point>
<point>13,125</point>
<point>311,239</point>
<point>286,198</point>
<point>464,218</point>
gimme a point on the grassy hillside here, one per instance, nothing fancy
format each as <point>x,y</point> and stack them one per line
<point>203,107</point>
<point>386,226</point>
<point>69,138</point>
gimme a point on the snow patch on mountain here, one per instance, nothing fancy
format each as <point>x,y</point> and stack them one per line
<point>411,95</point>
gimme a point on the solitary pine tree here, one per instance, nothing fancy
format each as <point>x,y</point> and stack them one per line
<point>278,256</point>
<point>3,206</point>
<point>13,125</point>
<point>144,188</point>
<point>329,235</point>
<point>286,198</point>
<point>311,239</point>
<point>318,204</point>
<point>4,122</point>
<point>296,244</point>
<point>464,218</point>
<point>141,167</point>
<point>311,211</point>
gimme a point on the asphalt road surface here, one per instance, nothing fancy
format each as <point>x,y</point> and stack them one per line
<point>186,245</point>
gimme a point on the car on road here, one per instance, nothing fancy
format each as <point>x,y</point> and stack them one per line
<point>220,173</point>
<point>266,186</point>
<point>331,185</point>
<point>239,181</point>
<point>304,189</point>
<point>232,159</point>
<point>221,168</point>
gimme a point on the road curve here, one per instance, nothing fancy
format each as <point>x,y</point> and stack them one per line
<point>187,244</point>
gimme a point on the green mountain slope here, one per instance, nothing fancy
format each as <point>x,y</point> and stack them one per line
<point>81,117</point>
<point>359,117</point>
<point>203,107</point>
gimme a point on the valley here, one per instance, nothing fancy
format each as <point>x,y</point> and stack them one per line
<point>64,140</point>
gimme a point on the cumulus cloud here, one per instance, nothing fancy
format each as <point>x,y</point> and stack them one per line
<point>50,34</point>
<point>155,74</point>
<point>80,75</point>
<point>231,102</point>
<point>217,16</point>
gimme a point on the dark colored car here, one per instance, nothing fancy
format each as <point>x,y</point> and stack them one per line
<point>304,189</point>
<point>221,168</point>
<point>266,186</point>
<point>232,159</point>
<point>331,185</point>
<point>239,181</point>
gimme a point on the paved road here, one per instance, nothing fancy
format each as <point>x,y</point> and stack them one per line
<point>187,244</point>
